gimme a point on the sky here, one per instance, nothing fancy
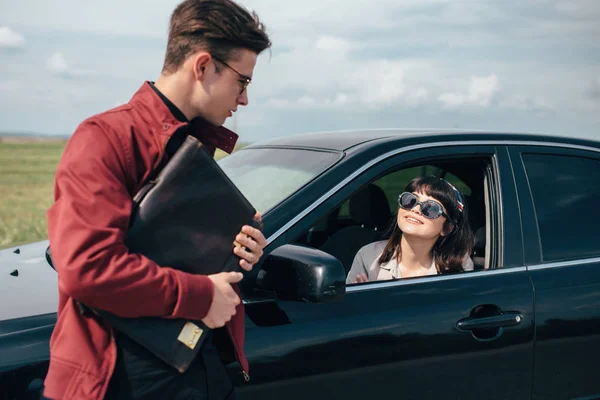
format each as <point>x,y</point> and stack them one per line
<point>497,65</point>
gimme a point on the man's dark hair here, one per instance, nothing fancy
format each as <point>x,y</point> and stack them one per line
<point>219,27</point>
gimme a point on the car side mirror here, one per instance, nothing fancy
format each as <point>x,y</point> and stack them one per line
<point>297,273</point>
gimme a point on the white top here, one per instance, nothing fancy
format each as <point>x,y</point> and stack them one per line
<point>366,262</point>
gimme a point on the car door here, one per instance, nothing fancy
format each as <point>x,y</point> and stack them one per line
<point>402,338</point>
<point>559,192</point>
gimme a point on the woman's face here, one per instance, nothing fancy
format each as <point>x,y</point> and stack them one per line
<point>413,223</point>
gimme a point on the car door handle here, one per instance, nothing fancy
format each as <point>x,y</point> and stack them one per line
<point>495,321</point>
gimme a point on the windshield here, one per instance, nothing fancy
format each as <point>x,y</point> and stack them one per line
<point>266,176</point>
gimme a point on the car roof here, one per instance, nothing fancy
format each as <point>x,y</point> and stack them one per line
<point>347,139</point>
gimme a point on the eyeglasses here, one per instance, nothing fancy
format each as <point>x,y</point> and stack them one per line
<point>244,80</point>
<point>430,209</point>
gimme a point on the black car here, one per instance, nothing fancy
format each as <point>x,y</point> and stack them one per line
<point>523,324</point>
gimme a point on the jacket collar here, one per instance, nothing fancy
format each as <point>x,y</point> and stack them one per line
<point>162,114</point>
<point>177,113</point>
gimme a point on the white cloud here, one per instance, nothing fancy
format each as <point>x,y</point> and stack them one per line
<point>115,16</point>
<point>301,103</point>
<point>338,58</point>
<point>278,103</point>
<point>527,103</point>
<point>480,93</point>
<point>11,39</point>
<point>452,99</point>
<point>482,89</point>
<point>342,82</point>
<point>58,65</point>
<point>331,43</point>
<point>379,82</point>
<point>307,101</point>
<point>341,99</point>
<point>418,97</point>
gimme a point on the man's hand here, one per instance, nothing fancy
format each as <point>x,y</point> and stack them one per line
<point>224,299</point>
<point>253,243</point>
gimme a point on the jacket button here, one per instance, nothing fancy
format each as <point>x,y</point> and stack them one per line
<point>166,127</point>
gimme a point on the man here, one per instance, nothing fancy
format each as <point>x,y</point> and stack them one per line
<point>211,53</point>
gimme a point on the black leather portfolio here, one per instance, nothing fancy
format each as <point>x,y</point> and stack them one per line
<point>187,218</point>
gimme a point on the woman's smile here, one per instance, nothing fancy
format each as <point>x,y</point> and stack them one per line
<point>412,220</point>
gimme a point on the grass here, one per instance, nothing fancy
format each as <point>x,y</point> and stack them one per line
<point>27,169</point>
<point>27,180</point>
<point>26,188</point>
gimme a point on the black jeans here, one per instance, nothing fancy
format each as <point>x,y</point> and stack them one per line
<point>140,375</point>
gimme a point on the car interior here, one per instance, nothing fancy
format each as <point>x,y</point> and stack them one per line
<point>369,214</point>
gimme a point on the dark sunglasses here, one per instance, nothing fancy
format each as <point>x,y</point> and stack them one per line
<point>244,80</point>
<point>429,208</point>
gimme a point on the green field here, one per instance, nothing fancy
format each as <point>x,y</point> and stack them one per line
<point>26,188</point>
<point>26,182</point>
<point>27,178</point>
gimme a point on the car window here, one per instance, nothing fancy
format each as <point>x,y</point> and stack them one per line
<point>266,176</point>
<point>566,193</point>
<point>394,183</point>
<point>456,181</point>
<point>367,215</point>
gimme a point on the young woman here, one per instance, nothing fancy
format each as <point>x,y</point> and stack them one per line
<point>431,236</point>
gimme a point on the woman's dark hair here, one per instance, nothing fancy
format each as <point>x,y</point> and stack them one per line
<point>219,27</point>
<point>449,250</point>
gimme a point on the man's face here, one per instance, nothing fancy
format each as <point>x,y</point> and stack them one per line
<point>220,93</point>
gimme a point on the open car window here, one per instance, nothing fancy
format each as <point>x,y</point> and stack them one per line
<point>367,215</point>
<point>394,183</point>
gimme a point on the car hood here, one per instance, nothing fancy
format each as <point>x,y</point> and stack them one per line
<point>28,285</point>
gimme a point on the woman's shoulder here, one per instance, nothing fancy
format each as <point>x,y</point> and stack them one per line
<point>364,260</point>
<point>467,263</point>
<point>372,250</point>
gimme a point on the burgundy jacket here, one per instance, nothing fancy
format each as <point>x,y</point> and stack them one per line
<point>105,162</point>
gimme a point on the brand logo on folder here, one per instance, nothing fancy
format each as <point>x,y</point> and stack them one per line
<point>190,334</point>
